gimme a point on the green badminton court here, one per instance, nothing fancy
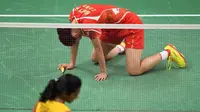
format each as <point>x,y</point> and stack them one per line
<point>29,58</point>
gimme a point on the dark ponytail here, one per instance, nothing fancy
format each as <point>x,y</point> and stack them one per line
<point>66,84</point>
<point>49,92</point>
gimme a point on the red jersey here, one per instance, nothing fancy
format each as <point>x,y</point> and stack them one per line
<point>97,14</point>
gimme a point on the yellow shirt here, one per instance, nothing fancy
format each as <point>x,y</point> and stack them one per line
<point>51,106</point>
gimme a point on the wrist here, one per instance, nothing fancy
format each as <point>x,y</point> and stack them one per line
<point>72,63</point>
<point>103,71</point>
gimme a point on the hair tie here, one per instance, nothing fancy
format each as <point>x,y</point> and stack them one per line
<point>56,79</point>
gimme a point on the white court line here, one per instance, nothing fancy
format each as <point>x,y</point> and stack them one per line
<point>141,15</point>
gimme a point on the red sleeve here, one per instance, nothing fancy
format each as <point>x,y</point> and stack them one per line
<point>71,17</point>
<point>91,32</point>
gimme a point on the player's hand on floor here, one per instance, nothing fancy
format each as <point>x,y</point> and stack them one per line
<point>66,66</point>
<point>101,77</point>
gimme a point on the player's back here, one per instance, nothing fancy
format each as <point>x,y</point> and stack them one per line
<point>50,106</point>
<point>97,13</point>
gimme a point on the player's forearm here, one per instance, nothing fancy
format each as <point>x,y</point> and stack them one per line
<point>101,59</point>
<point>74,50</point>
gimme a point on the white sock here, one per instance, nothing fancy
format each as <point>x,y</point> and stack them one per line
<point>164,55</point>
<point>121,48</point>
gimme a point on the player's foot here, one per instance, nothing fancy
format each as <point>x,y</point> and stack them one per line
<point>122,47</point>
<point>175,56</point>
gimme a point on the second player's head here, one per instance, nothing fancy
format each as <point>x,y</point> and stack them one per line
<point>65,88</point>
<point>68,36</point>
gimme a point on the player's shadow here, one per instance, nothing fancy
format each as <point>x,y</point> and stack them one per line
<point>88,67</point>
<point>113,66</point>
<point>117,66</point>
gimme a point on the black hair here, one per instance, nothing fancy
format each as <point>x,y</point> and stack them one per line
<point>67,83</point>
<point>65,37</point>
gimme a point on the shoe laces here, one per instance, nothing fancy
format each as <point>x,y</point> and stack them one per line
<point>170,63</point>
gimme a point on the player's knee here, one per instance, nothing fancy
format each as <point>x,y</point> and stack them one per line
<point>94,59</point>
<point>135,72</point>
